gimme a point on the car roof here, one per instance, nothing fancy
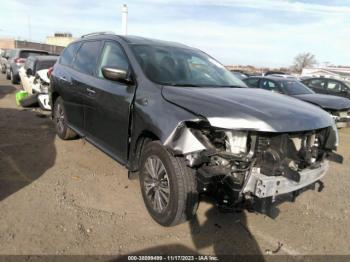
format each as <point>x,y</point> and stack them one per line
<point>45,57</point>
<point>30,50</point>
<point>138,40</point>
<point>327,78</point>
<point>274,78</point>
<point>134,40</point>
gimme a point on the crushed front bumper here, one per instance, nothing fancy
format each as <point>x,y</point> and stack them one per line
<point>263,186</point>
<point>43,100</point>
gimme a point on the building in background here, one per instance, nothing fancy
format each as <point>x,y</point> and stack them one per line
<point>60,39</point>
<point>332,72</point>
<point>9,43</point>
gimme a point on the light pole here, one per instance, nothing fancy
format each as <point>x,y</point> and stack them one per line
<point>125,19</point>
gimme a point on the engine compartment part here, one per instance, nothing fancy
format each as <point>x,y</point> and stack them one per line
<point>240,166</point>
<point>262,186</point>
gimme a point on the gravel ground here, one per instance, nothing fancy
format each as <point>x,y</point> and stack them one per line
<point>67,197</point>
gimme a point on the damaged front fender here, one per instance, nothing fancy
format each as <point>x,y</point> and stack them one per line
<point>183,140</point>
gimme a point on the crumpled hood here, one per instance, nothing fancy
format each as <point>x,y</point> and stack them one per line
<point>248,108</point>
<point>326,101</point>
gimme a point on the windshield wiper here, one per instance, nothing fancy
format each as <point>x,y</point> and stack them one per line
<point>232,86</point>
<point>189,85</point>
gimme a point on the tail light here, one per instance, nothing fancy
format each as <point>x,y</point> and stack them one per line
<point>49,72</point>
<point>20,61</point>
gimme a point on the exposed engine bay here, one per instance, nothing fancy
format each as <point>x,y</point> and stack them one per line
<point>249,169</point>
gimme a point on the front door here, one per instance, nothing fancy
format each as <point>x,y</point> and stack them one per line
<point>108,106</point>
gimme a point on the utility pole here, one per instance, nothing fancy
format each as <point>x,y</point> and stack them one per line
<point>125,19</point>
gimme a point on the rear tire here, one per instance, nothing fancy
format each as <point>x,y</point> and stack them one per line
<point>14,79</point>
<point>60,119</point>
<point>8,77</point>
<point>170,175</point>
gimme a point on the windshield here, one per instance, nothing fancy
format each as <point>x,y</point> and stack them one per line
<point>295,88</point>
<point>183,67</point>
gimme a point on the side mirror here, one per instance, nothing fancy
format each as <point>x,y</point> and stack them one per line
<point>116,74</point>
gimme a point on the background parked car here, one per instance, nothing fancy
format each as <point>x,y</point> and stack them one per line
<point>35,81</point>
<point>239,75</point>
<point>3,59</point>
<point>338,107</point>
<point>328,86</point>
<point>17,59</point>
<point>32,66</point>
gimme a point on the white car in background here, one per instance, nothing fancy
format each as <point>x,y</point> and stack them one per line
<point>35,80</point>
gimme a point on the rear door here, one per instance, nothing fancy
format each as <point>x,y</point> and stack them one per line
<point>82,74</point>
<point>108,107</point>
<point>70,93</point>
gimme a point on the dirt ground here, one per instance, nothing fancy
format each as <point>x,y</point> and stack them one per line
<point>67,197</point>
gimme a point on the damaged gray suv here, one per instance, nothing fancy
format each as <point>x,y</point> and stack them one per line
<point>188,127</point>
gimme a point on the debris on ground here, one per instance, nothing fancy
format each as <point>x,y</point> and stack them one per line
<point>270,252</point>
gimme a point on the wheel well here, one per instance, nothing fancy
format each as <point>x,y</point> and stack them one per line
<point>135,154</point>
<point>53,98</point>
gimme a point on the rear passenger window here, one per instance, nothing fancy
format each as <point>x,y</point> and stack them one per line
<point>86,58</point>
<point>317,83</point>
<point>253,82</point>
<point>113,56</point>
<point>68,54</point>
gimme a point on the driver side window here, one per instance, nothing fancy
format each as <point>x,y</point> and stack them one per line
<point>112,56</point>
<point>335,86</point>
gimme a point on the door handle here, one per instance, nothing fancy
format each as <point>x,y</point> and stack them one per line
<point>90,91</point>
<point>142,101</point>
<point>63,78</point>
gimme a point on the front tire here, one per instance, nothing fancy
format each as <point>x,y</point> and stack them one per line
<point>168,186</point>
<point>60,119</point>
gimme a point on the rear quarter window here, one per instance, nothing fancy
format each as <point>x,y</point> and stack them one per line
<point>68,54</point>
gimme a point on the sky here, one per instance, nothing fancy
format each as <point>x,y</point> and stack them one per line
<point>246,32</point>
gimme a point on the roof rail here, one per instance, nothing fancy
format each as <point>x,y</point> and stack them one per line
<point>97,33</point>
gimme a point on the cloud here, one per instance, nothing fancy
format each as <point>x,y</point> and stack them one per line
<point>257,32</point>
